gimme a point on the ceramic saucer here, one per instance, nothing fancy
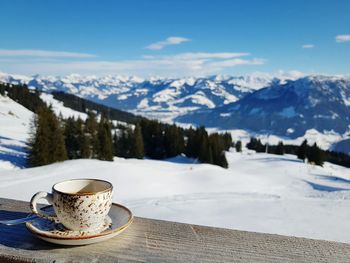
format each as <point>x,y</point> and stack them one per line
<point>118,219</point>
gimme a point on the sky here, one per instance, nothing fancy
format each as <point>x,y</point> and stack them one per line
<point>174,38</point>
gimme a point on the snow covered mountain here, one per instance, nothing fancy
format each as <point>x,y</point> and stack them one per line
<point>290,109</point>
<point>160,98</point>
<point>283,104</point>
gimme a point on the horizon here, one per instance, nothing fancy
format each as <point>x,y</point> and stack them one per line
<point>175,39</point>
<point>282,75</point>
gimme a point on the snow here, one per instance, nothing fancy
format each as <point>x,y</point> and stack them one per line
<point>14,119</point>
<point>259,192</point>
<point>324,140</point>
<point>14,132</point>
<point>59,108</point>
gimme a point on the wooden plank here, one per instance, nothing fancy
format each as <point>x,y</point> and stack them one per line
<point>148,240</point>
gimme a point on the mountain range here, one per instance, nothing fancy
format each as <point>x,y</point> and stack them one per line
<point>289,109</point>
<point>286,105</point>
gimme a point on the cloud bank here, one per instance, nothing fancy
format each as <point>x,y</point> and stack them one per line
<point>342,38</point>
<point>42,53</point>
<point>181,64</point>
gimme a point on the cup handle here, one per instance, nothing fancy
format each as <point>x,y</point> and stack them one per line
<point>33,205</point>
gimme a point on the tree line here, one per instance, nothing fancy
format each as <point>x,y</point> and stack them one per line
<point>56,139</point>
<point>311,153</point>
<point>103,140</point>
<point>100,138</point>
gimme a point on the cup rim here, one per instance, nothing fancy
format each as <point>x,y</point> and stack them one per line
<point>109,189</point>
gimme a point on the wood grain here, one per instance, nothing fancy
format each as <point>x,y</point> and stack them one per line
<point>148,240</point>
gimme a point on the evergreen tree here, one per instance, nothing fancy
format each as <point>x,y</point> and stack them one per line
<point>153,137</point>
<point>115,144</point>
<point>205,150</point>
<point>71,139</point>
<point>315,155</point>
<point>217,144</point>
<point>104,135</point>
<point>255,144</point>
<point>280,148</point>
<point>123,143</point>
<point>302,150</point>
<point>191,148</point>
<point>173,141</point>
<point>238,146</point>
<point>83,140</point>
<point>46,142</point>
<point>136,143</point>
<point>227,141</point>
<point>58,146</point>
<point>91,127</point>
<point>39,140</point>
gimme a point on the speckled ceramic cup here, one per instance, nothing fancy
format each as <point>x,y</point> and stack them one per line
<point>79,204</point>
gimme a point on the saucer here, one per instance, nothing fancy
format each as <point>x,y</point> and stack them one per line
<point>118,219</point>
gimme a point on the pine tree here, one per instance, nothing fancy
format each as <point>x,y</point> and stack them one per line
<point>46,142</point>
<point>217,144</point>
<point>59,152</point>
<point>302,150</point>
<point>83,140</point>
<point>280,148</point>
<point>238,146</point>
<point>227,141</point>
<point>71,140</point>
<point>201,144</point>
<point>136,143</point>
<point>39,140</point>
<point>315,155</point>
<point>153,137</point>
<point>255,144</point>
<point>123,143</point>
<point>205,150</point>
<point>91,127</point>
<point>104,135</point>
<point>173,141</point>
<point>191,148</point>
<point>115,144</point>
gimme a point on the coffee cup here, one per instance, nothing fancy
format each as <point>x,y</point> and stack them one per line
<point>79,204</point>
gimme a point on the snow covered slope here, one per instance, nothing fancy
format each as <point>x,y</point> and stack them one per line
<point>14,132</point>
<point>15,128</point>
<point>259,192</point>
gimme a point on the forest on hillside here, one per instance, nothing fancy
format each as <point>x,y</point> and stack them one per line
<point>102,136</point>
<point>54,138</point>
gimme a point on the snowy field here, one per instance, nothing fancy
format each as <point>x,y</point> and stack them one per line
<point>259,192</point>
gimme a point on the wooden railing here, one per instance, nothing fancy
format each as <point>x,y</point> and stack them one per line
<point>148,240</point>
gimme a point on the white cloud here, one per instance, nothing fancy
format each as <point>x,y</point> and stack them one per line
<point>215,55</point>
<point>183,64</point>
<point>42,53</point>
<point>342,38</point>
<point>167,42</point>
<point>308,46</point>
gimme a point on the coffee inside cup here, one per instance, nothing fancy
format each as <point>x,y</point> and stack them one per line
<point>82,186</point>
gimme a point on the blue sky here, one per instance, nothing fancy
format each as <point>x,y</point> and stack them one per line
<point>174,38</point>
